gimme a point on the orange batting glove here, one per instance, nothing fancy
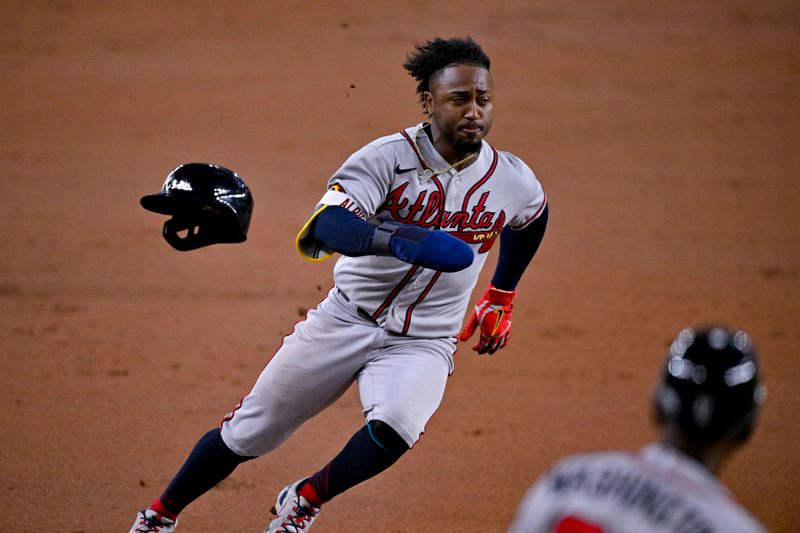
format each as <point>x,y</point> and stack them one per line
<point>493,314</point>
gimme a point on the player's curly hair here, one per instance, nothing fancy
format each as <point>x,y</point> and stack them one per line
<point>434,55</point>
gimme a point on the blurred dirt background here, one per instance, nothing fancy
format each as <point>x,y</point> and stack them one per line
<point>666,135</point>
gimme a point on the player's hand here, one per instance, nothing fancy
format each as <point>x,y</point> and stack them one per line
<point>492,314</point>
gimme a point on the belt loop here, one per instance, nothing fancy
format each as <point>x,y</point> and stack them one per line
<point>343,294</point>
<point>363,313</point>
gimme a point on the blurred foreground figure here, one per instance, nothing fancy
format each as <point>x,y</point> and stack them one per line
<point>706,403</point>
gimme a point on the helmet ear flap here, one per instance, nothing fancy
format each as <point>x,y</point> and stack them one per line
<point>185,235</point>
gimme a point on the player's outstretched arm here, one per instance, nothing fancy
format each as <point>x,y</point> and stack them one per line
<point>492,313</point>
<point>342,231</point>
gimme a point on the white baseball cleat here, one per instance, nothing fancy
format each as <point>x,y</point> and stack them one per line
<point>294,513</point>
<point>149,521</point>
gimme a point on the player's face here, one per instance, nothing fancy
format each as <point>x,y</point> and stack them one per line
<point>460,104</point>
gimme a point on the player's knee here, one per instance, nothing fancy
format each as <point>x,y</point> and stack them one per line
<point>386,437</point>
<point>251,441</point>
<point>216,445</point>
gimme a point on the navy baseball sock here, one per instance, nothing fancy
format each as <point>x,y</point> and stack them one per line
<point>373,449</point>
<point>210,462</point>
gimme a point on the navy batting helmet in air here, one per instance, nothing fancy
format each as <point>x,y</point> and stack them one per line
<point>209,204</point>
<point>711,384</point>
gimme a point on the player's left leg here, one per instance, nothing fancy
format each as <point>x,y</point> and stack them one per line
<point>370,451</point>
<point>400,390</point>
<point>401,387</point>
<point>373,449</point>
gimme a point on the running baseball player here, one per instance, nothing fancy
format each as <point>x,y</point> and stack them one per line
<point>414,215</point>
<point>706,404</point>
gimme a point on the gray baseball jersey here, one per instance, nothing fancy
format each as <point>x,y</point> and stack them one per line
<point>657,490</point>
<point>353,334</point>
<point>386,179</point>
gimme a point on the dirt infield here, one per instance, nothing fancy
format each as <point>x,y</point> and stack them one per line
<point>665,136</point>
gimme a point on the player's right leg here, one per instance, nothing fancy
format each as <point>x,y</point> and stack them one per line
<point>313,367</point>
<point>210,462</point>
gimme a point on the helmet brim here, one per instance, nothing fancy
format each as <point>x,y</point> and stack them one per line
<point>170,204</point>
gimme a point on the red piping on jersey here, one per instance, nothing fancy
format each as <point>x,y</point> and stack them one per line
<point>535,216</point>
<point>413,147</point>
<point>437,221</point>
<point>489,172</point>
<point>422,296</point>
<point>481,181</point>
<point>228,417</point>
<point>394,293</point>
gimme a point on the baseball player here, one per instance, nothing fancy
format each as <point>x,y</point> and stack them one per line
<point>414,215</point>
<point>706,404</point>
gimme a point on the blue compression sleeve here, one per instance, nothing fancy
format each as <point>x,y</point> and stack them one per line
<point>517,248</point>
<point>342,231</point>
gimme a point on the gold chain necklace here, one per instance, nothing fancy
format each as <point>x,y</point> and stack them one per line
<point>428,172</point>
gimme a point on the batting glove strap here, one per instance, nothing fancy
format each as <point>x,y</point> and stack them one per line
<point>496,296</point>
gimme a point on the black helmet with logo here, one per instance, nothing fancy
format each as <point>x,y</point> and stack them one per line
<point>208,203</point>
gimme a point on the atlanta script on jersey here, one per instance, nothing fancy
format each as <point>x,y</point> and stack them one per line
<point>386,179</point>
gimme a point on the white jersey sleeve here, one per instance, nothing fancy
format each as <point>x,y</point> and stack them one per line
<point>360,186</point>
<point>364,179</point>
<point>532,198</point>
<point>658,490</point>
